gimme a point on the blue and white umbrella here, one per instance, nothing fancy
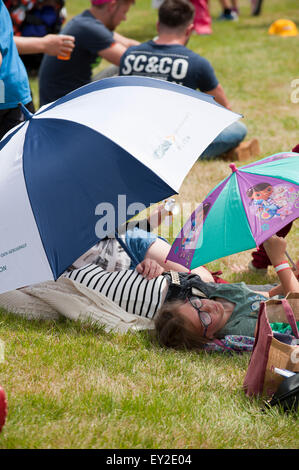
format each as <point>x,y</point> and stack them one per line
<point>129,136</point>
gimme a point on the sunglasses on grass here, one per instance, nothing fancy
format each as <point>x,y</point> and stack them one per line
<point>203,316</point>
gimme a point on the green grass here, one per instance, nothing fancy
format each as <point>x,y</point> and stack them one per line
<point>74,386</point>
<point>71,386</point>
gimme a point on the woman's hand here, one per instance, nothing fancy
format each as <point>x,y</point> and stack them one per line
<point>275,248</point>
<point>149,269</point>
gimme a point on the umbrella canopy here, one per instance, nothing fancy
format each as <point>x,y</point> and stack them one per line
<point>245,209</point>
<point>129,136</point>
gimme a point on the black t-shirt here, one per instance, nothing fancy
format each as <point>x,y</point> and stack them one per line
<point>174,63</point>
<point>59,77</point>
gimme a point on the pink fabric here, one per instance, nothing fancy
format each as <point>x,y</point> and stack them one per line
<point>291,317</point>
<point>99,2</point>
<point>3,408</point>
<point>202,19</point>
<point>255,376</point>
<point>254,380</point>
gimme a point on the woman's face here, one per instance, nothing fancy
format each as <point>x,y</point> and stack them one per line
<point>215,311</point>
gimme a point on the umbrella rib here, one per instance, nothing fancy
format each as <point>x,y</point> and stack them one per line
<point>241,175</point>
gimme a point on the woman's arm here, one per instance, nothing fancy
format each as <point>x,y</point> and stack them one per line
<point>275,248</point>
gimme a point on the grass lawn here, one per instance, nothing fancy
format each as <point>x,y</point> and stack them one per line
<point>75,386</point>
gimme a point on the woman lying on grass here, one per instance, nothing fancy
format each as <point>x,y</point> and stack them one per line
<point>189,321</point>
<point>188,312</point>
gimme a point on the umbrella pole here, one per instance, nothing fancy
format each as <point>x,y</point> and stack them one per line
<point>124,246</point>
<point>291,261</point>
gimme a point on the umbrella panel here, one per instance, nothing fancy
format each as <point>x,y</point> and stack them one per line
<point>50,188</point>
<point>241,212</point>
<point>66,182</point>
<point>269,203</point>
<point>197,243</point>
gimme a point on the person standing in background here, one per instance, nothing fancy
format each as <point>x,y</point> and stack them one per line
<point>256,7</point>
<point>230,10</point>
<point>95,38</point>
<point>35,18</point>
<point>166,57</point>
<point>202,18</point>
<point>14,84</point>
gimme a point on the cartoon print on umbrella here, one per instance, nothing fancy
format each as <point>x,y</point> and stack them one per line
<point>268,201</point>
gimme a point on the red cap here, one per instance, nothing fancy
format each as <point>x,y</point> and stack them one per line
<point>296,149</point>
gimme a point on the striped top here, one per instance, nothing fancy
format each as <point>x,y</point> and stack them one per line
<point>127,288</point>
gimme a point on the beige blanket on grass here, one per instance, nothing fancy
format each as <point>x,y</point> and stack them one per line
<point>66,298</point>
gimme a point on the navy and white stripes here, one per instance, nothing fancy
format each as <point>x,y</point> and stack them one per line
<point>126,288</point>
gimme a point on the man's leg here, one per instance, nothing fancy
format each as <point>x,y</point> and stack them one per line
<point>228,139</point>
<point>256,6</point>
<point>228,10</point>
<point>9,118</point>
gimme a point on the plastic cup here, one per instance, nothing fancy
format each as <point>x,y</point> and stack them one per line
<point>64,57</point>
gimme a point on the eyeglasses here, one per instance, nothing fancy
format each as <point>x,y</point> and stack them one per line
<point>204,317</point>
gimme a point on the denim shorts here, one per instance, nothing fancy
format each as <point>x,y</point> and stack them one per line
<point>138,242</point>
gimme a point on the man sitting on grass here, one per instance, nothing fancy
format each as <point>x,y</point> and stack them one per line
<point>166,57</point>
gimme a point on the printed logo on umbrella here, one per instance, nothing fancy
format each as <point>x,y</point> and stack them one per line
<point>161,150</point>
<point>173,139</point>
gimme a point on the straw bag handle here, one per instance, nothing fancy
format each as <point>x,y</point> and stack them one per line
<point>291,317</point>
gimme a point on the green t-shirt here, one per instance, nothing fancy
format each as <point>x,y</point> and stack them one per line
<point>245,314</point>
<point>247,303</point>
